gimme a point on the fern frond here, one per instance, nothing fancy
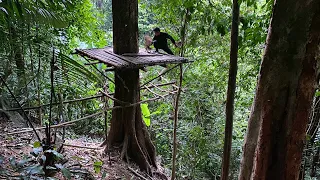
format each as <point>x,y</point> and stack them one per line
<point>78,70</point>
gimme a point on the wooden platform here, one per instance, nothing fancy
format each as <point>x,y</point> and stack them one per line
<point>130,60</point>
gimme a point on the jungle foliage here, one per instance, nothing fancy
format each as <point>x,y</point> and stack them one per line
<point>34,32</point>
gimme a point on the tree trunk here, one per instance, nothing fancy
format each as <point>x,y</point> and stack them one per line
<point>277,124</point>
<point>231,91</point>
<point>127,127</point>
<point>18,56</point>
<point>183,32</point>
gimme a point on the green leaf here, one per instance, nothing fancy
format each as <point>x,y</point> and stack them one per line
<point>59,166</point>
<point>66,173</point>
<point>37,169</point>
<point>145,114</point>
<point>317,94</point>
<point>37,151</point>
<point>98,163</point>
<point>58,155</point>
<point>104,175</point>
<point>97,166</point>
<point>36,144</point>
<point>308,137</point>
<point>78,68</point>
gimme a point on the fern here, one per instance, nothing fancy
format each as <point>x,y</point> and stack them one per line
<point>46,12</point>
<point>77,70</point>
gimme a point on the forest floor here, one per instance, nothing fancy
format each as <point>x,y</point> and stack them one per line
<point>83,159</point>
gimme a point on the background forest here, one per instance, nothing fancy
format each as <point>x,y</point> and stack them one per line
<point>36,33</point>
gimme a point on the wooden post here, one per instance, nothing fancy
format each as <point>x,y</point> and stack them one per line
<point>175,143</point>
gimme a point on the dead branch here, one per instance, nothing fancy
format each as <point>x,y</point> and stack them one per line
<point>159,85</point>
<point>21,108</point>
<point>96,114</point>
<point>114,99</point>
<point>59,125</point>
<point>154,93</point>
<point>41,128</point>
<point>163,90</point>
<point>152,99</point>
<point>83,99</point>
<point>136,173</point>
<point>14,145</point>
<point>166,71</point>
<point>174,151</point>
<point>57,103</point>
<point>110,69</point>
<point>84,147</point>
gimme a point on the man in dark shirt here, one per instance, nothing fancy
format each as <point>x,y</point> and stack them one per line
<point>160,41</point>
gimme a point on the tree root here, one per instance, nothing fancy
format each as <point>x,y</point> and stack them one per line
<point>124,151</point>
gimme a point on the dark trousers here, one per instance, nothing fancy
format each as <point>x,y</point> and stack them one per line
<point>166,49</point>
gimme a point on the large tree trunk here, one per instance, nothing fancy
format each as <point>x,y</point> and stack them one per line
<point>127,127</point>
<point>277,124</point>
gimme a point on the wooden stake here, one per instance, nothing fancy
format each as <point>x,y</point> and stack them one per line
<point>174,151</point>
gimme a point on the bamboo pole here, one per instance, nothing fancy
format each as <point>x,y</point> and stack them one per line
<point>58,125</point>
<point>57,103</point>
<point>166,71</point>
<point>114,99</point>
<point>96,114</point>
<point>83,99</point>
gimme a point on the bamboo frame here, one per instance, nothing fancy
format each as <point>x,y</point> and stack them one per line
<point>58,125</point>
<point>92,65</point>
<point>57,103</point>
<point>166,71</point>
<point>114,99</point>
<point>84,99</point>
<point>96,114</point>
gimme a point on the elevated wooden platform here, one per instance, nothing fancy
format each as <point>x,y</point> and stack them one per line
<point>130,60</point>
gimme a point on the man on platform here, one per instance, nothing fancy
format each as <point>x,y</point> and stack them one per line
<point>160,41</point>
